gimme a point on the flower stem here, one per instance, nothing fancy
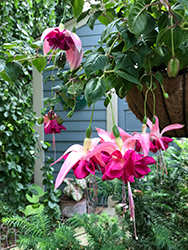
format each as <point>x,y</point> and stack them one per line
<point>172,36</point>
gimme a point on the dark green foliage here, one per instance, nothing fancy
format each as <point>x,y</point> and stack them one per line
<point>161,203</point>
<point>50,198</point>
<point>37,233</point>
<point>17,142</point>
<point>103,232</point>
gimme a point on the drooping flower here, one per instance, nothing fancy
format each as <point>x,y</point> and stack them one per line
<point>122,162</point>
<point>51,125</point>
<point>75,158</point>
<point>157,140</point>
<point>55,38</point>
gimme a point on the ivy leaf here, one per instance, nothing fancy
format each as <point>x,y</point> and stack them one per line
<point>13,70</point>
<point>94,90</point>
<point>127,76</point>
<point>93,18</point>
<point>94,62</point>
<point>40,63</point>
<point>137,18</point>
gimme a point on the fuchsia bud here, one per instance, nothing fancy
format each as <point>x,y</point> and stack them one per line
<point>51,115</point>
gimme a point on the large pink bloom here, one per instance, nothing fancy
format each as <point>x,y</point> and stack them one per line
<point>55,38</point>
<point>122,162</point>
<point>157,140</point>
<point>77,158</point>
<point>127,166</point>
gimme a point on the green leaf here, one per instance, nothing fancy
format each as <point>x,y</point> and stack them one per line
<point>52,205</point>
<point>107,17</point>
<point>33,198</point>
<point>8,45</point>
<point>177,37</point>
<point>159,41</point>
<point>93,18</point>
<point>82,16</point>
<point>40,63</point>
<point>184,2</point>
<point>77,7</point>
<point>95,62</point>
<point>123,61</point>
<point>13,70</point>
<point>108,29</point>
<point>128,37</point>
<point>127,76</point>
<point>94,90</point>
<point>137,18</point>
<point>2,65</point>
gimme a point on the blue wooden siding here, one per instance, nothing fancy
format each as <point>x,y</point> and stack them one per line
<point>126,119</point>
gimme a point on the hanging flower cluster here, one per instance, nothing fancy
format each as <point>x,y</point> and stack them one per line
<point>117,154</point>
<point>52,124</point>
<point>55,38</point>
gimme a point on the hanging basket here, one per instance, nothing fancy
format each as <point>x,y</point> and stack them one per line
<point>169,110</point>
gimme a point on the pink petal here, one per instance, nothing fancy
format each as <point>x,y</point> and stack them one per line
<point>70,161</point>
<point>129,144</point>
<point>46,47</point>
<point>130,163</point>
<point>149,123</point>
<point>158,140</point>
<point>94,142</point>
<point>108,147</point>
<point>80,172</point>
<point>171,127</point>
<point>46,32</point>
<point>124,135</point>
<point>75,147</point>
<point>155,128</point>
<point>142,169</point>
<point>76,40</point>
<point>106,136</point>
<point>74,57</point>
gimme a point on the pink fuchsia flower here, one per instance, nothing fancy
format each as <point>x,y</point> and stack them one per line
<point>78,158</point>
<point>121,162</point>
<point>157,140</point>
<point>127,166</point>
<point>51,125</point>
<point>55,38</point>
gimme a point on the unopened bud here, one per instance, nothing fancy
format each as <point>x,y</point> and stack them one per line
<point>145,119</point>
<point>115,131</point>
<point>88,132</point>
<point>51,115</point>
<point>40,120</point>
<point>70,114</point>
<point>59,120</point>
